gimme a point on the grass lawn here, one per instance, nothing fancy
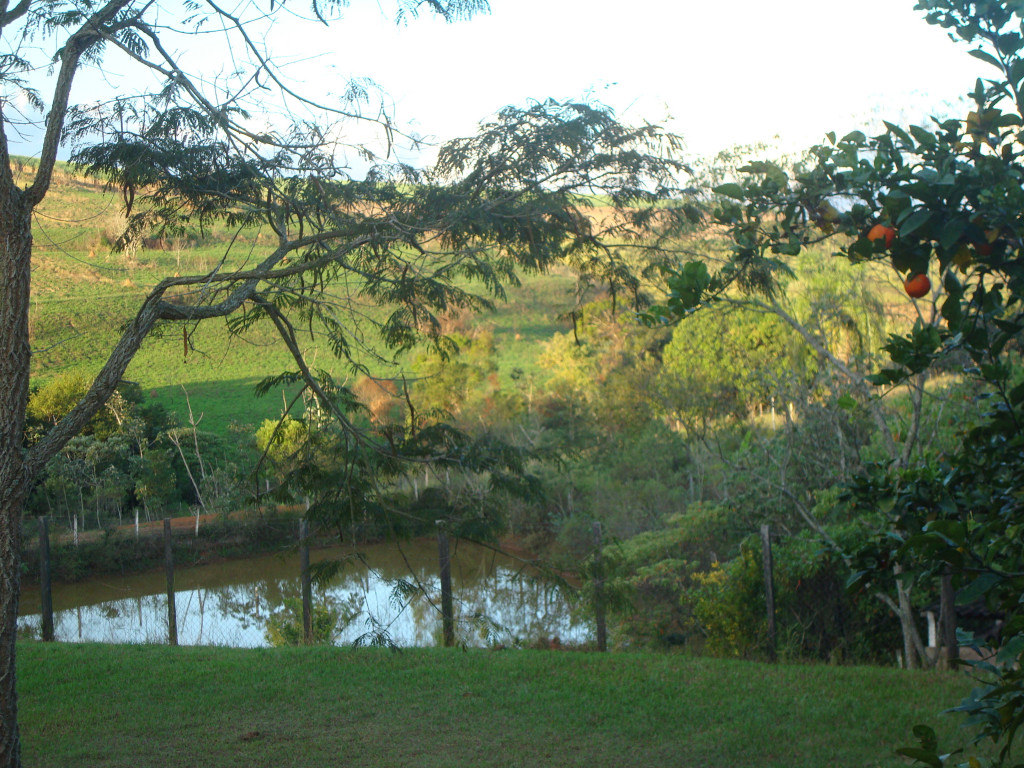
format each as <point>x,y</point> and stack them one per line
<point>139,706</point>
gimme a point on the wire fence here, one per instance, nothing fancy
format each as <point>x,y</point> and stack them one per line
<point>277,599</point>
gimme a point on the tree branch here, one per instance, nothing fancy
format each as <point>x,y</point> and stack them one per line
<point>70,57</point>
<point>859,381</point>
<point>6,17</point>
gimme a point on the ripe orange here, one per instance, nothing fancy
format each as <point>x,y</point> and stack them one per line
<point>917,285</point>
<point>882,232</point>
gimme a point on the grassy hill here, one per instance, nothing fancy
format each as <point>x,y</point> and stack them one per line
<point>84,291</point>
<point>141,706</point>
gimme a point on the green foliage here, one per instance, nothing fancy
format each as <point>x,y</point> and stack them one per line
<point>53,401</point>
<point>327,622</point>
<point>731,362</point>
<point>445,382</point>
<point>650,573</point>
<point>728,606</point>
<point>281,441</point>
<point>698,581</point>
<point>953,190</point>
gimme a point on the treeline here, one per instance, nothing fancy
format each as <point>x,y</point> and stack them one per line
<point>133,460</point>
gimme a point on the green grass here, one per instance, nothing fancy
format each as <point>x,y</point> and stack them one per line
<point>83,293</point>
<point>140,706</point>
<point>221,370</point>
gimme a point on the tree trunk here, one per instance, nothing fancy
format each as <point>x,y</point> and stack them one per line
<point>15,252</point>
<point>906,617</point>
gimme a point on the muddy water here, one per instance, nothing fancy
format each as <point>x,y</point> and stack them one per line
<point>383,592</point>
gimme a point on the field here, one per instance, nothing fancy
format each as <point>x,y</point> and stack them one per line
<point>84,291</point>
<point>142,706</point>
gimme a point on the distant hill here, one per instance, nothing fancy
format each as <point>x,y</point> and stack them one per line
<point>84,291</point>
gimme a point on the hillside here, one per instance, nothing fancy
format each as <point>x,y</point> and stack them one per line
<point>84,290</point>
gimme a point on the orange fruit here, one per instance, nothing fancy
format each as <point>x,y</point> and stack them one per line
<point>917,285</point>
<point>882,232</point>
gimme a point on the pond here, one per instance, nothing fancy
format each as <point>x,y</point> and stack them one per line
<point>385,593</point>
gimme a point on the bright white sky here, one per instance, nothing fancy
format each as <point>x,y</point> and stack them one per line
<point>718,73</point>
<point>724,73</point>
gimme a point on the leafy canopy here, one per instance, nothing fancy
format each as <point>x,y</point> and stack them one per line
<point>953,191</point>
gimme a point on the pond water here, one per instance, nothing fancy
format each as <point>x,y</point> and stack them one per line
<point>384,593</point>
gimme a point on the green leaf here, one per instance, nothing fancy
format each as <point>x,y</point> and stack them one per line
<point>1017,394</point>
<point>846,402</point>
<point>771,170</point>
<point>951,310</point>
<point>921,755</point>
<point>953,231</point>
<point>732,190</point>
<point>977,588</point>
<point>951,530</point>
<point>1017,71</point>
<point>988,58</point>
<point>909,224</point>
<point>1011,649</point>
<point>926,736</point>
<point>899,132</point>
<point>923,136</point>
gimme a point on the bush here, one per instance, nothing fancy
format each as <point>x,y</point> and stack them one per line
<point>650,574</point>
<point>728,606</point>
<point>327,621</point>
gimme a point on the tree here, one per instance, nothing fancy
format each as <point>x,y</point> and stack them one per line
<point>953,192</point>
<point>366,264</point>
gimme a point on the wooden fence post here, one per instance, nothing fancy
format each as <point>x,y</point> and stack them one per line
<point>307,583</point>
<point>447,613</point>
<point>769,588</point>
<point>172,615</point>
<point>599,617</point>
<point>947,620</point>
<point>45,591</point>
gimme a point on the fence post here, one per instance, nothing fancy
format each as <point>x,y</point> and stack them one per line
<point>599,618</point>
<point>44,579</point>
<point>447,614</point>
<point>947,619</point>
<point>769,587</point>
<point>307,584</point>
<point>172,617</point>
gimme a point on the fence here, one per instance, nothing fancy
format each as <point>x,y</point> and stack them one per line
<point>171,624</point>
<point>237,602</point>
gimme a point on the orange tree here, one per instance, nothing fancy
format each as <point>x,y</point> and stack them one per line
<point>947,200</point>
<point>369,265</point>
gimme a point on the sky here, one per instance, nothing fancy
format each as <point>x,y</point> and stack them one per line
<point>720,74</point>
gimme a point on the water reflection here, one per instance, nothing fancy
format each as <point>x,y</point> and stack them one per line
<point>387,593</point>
